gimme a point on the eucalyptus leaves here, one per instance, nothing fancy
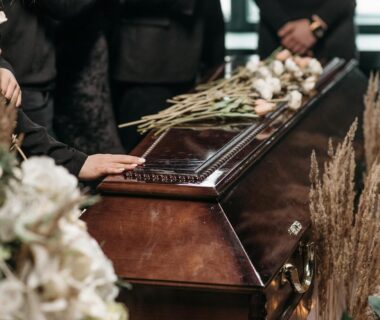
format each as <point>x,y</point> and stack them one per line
<point>251,92</point>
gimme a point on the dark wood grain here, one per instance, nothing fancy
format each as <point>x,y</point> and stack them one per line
<point>219,256</point>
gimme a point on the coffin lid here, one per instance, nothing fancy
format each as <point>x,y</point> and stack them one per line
<point>204,161</point>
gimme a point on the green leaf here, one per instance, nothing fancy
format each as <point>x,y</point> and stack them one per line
<point>346,316</point>
<point>374,303</point>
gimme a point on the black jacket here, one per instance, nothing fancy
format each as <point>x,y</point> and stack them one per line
<point>27,37</point>
<point>37,141</point>
<point>338,14</point>
<point>167,41</point>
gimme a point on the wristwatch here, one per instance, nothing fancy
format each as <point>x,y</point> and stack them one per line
<point>317,26</point>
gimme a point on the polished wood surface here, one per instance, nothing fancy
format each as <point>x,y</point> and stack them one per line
<point>204,162</point>
<point>220,257</point>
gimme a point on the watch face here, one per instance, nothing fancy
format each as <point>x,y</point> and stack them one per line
<point>319,32</point>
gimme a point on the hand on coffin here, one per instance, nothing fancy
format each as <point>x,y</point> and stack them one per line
<point>9,87</point>
<point>99,165</point>
<point>297,36</point>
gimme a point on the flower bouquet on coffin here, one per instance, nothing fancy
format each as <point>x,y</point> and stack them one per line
<point>50,267</point>
<point>251,92</point>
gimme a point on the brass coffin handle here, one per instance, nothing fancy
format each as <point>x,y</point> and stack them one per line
<point>290,273</point>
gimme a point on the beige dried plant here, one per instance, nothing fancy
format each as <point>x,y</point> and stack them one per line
<point>365,254</point>
<point>348,240</point>
<point>332,199</point>
<point>372,121</point>
<point>8,115</point>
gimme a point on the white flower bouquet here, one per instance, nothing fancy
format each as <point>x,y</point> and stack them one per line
<point>50,267</point>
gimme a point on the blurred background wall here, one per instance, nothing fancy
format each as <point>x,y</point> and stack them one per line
<point>242,19</point>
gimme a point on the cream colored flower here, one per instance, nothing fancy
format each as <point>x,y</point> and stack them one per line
<point>3,17</point>
<point>11,298</point>
<point>263,88</point>
<point>295,100</point>
<point>315,67</point>
<point>264,72</point>
<point>309,84</point>
<point>253,64</point>
<point>275,83</point>
<point>277,67</point>
<point>283,55</point>
<point>291,66</point>
<point>264,107</point>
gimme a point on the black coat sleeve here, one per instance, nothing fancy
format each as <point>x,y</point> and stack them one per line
<point>37,142</point>
<point>63,9</point>
<point>333,11</point>
<point>273,13</point>
<point>185,7</point>
<point>4,64</point>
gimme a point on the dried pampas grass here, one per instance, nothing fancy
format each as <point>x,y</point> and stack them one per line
<point>372,121</point>
<point>332,211</point>
<point>348,239</point>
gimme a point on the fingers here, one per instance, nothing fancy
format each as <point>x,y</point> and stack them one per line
<point>4,83</point>
<point>15,100</point>
<point>285,30</point>
<point>116,168</point>
<point>19,100</point>
<point>126,159</point>
<point>12,86</point>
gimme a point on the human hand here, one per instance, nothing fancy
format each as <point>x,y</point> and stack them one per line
<point>99,165</point>
<point>9,87</point>
<point>297,36</point>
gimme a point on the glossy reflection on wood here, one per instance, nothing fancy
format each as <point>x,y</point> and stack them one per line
<point>214,249</point>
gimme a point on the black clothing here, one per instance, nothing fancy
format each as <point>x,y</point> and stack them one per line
<point>153,97</point>
<point>39,106</point>
<point>27,37</point>
<point>159,47</point>
<point>37,142</point>
<point>339,40</point>
<point>84,113</point>
<point>164,41</point>
<point>27,42</point>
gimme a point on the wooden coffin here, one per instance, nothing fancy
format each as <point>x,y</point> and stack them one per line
<point>216,225</point>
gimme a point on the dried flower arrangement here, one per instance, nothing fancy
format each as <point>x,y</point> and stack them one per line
<point>252,91</point>
<point>371,121</point>
<point>347,238</point>
<point>50,267</point>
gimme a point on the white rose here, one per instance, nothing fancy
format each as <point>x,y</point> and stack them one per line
<point>11,298</point>
<point>253,64</point>
<point>264,89</point>
<point>277,67</point>
<point>309,84</point>
<point>294,100</point>
<point>41,174</point>
<point>291,66</point>
<point>10,212</point>
<point>3,17</point>
<point>275,83</point>
<point>314,67</point>
<point>264,72</point>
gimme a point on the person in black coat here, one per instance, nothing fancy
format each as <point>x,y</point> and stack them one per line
<point>27,42</point>
<point>323,28</point>
<point>159,48</point>
<point>37,142</point>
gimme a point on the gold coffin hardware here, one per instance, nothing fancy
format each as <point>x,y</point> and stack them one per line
<point>290,273</point>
